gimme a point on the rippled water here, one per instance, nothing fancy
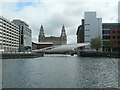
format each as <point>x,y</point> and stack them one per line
<point>60,71</point>
<point>0,73</point>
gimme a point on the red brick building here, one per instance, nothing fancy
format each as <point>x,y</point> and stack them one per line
<point>80,33</point>
<point>115,37</point>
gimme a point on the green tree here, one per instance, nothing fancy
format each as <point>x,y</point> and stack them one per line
<point>96,43</point>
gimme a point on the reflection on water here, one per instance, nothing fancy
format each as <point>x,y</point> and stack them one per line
<point>61,71</point>
<point>0,73</point>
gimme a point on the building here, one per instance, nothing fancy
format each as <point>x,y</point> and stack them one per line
<point>9,35</point>
<point>115,38</point>
<point>25,35</point>
<point>55,40</point>
<point>111,35</point>
<point>106,27</point>
<point>80,33</point>
<point>92,27</point>
<point>41,45</point>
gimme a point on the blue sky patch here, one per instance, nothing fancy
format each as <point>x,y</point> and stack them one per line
<point>23,4</point>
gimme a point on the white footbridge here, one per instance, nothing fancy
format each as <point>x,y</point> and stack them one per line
<point>61,49</point>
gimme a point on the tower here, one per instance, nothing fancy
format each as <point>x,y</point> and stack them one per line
<point>41,35</point>
<point>63,36</point>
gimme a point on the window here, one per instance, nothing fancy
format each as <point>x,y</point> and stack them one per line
<point>22,39</point>
<point>87,35</point>
<point>113,37</point>
<point>119,42</point>
<point>106,37</point>
<point>115,42</point>
<point>118,37</point>
<point>113,32</point>
<point>106,31</point>
<point>87,30</point>
<point>118,32</point>
<point>87,24</point>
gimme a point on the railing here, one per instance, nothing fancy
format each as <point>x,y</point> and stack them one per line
<point>15,52</point>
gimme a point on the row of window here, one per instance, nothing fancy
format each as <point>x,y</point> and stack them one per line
<point>108,26</point>
<point>113,37</point>
<point>6,29</point>
<point>106,32</point>
<point>113,32</point>
<point>14,45</point>
<point>116,32</point>
<point>11,41</point>
<point>117,42</point>
<point>3,21</point>
<point>107,42</point>
<point>9,48</point>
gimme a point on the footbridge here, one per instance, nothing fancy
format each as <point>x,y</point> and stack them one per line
<point>61,49</point>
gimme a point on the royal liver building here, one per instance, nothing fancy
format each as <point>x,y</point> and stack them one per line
<point>55,40</point>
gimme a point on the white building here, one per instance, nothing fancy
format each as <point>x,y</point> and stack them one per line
<point>25,35</point>
<point>92,27</point>
<point>9,35</point>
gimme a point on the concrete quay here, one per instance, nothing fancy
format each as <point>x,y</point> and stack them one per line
<point>98,54</point>
<point>18,55</point>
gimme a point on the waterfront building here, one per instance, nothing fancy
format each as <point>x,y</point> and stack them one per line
<point>80,33</point>
<point>41,45</point>
<point>25,35</point>
<point>92,27</point>
<point>9,35</point>
<point>55,40</point>
<point>111,33</point>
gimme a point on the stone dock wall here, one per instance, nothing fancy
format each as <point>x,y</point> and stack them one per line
<point>98,54</point>
<point>17,55</point>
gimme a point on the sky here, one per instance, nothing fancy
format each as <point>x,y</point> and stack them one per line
<point>52,14</point>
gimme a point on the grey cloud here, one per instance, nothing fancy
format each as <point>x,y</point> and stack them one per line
<point>54,15</point>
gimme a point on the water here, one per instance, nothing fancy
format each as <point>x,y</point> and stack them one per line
<point>0,72</point>
<point>60,71</point>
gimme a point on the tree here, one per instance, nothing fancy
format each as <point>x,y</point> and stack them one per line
<point>96,43</point>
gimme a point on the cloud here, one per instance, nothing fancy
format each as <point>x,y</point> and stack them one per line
<point>54,13</point>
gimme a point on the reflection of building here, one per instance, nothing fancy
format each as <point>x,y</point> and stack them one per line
<point>9,35</point>
<point>111,33</point>
<point>55,40</point>
<point>25,35</point>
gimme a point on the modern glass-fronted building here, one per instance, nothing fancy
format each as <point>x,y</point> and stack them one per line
<point>25,35</point>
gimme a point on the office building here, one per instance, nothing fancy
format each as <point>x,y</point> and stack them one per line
<point>111,35</point>
<point>92,27</point>
<point>9,35</point>
<point>25,35</point>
